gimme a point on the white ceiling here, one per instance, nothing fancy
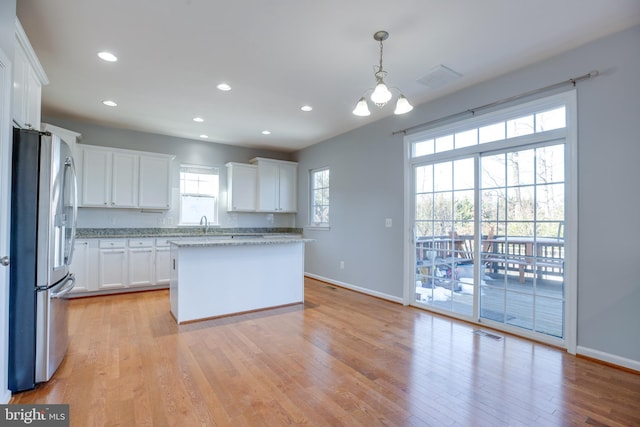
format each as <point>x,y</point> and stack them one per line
<point>281,54</point>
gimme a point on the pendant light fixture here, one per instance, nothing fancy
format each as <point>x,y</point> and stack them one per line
<point>381,93</point>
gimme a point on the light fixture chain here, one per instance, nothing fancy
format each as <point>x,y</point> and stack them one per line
<point>380,67</point>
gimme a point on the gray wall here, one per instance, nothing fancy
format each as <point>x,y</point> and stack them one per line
<point>367,186</point>
<point>186,151</point>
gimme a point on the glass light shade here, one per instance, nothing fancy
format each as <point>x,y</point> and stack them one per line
<point>362,109</point>
<point>403,105</point>
<point>381,95</point>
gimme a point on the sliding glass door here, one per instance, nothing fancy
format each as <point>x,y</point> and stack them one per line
<point>487,204</point>
<point>522,211</point>
<point>444,230</point>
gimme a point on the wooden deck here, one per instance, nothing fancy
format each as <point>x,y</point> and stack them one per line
<point>517,306</point>
<point>341,359</point>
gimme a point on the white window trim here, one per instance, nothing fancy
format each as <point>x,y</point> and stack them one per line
<point>312,225</point>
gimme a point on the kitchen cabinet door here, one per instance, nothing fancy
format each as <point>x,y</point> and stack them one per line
<point>287,180</point>
<point>96,178</point>
<point>141,266</point>
<point>28,78</point>
<point>163,265</point>
<point>20,70</point>
<point>155,182</point>
<point>109,178</point>
<point>112,264</point>
<point>80,266</point>
<point>34,100</point>
<point>267,187</point>
<point>276,185</point>
<point>241,187</point>
<point>124,180</point>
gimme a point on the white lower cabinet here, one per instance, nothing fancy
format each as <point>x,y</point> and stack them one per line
<point>112,264</point>
<point>120,264</point>
<point>80,266</point>
<point>141,262</point>
<point>162,262</point>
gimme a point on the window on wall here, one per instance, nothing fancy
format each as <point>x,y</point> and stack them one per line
<point>320,197</point>
<point>199,186</point>
<point>545,119</point>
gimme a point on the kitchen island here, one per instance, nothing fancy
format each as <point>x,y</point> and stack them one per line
<point>220,276</point>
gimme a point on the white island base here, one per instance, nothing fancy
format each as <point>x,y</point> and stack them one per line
<point>223,277</point>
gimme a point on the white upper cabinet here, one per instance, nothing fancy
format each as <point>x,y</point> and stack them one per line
<point>276,185</point>
<point>155,182</point>
<point>28,79</point>
<point>117,178</point>
<point>241,187</point>
<point>96,178</point>
<point>109,179</point>
<point>124,180</point>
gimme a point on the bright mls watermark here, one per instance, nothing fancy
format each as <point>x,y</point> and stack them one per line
<point>34,415</point>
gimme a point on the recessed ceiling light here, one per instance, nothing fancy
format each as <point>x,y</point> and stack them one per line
<point>203,136</point>
<point>266,132</point>
<point>198,119</point>
<point>306,108</point>
<point>224,87</point>
<point>110,103</point>
<point>107,56</point>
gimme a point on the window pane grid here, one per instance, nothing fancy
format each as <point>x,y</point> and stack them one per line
<point>320,197</point>
<point>540,121</point>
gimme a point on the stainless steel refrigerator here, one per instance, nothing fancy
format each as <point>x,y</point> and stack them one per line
<point>43,217</point>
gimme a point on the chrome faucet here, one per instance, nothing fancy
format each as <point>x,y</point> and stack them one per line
<point>205,223</point>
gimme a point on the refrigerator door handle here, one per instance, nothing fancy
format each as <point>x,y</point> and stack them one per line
<point>70,283</point>
<point>74,198</point>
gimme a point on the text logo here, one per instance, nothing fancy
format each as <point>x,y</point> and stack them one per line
<point>34,415</point>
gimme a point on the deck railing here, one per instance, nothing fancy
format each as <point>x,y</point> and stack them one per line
<point>527,257</point>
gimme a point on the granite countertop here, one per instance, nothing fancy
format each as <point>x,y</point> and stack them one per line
<point>182,232</point>
<point>238,240</point>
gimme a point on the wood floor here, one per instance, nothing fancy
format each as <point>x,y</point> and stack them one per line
<point>341,359</point>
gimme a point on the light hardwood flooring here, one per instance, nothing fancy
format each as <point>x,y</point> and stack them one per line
<point>341,359</point>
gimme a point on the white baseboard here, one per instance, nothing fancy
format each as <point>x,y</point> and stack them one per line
<point>609,358</point>
<point>356,288</point>
<point>5,397</point>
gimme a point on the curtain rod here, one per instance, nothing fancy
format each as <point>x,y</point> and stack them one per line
<point>472,111</point>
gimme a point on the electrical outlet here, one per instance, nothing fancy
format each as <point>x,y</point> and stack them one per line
<point>341,265</point>
<point>388,222</point>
